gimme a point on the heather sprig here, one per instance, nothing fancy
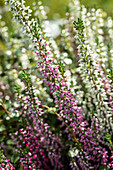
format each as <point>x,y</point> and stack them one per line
<point>91,73</point>
<point>109,25</point>
<point>4,162</point>
<point>42,147</point>
<point>95,39</point>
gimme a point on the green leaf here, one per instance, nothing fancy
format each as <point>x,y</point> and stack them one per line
<point>1,102</point>
<point>2,112</point>
<point>27,148</point>
<point>51,110</point>
<point>2,138</point>
<point>95,78</point>
<point>108,136</point>
<point>10,142</point>
<point>2,128</point>
<point>20,75</point>
<point>110,75</point>
<point>79,25</point>
<point>15,158</point>
<point>103,167</point>
<point>61,67</point>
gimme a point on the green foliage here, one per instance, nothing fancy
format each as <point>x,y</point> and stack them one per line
<point>2,158</point>
<point>15,158</point>
<point>10,142</point>
<point>51,110</point>
<point>25,76</point>
<point>108,137</point>
<point>2,128</point>
<point>103,167</point>
<point>61,67</point>
<point>79,25</point>
<point>111,75</point>
<point>1,102</point>
<point>103,4</point>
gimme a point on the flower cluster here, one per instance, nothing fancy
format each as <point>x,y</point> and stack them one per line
<point>5,163</point>
<point>35,141</point>
<point>93,74</point>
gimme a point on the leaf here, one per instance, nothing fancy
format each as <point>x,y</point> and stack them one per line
<point>51,110</point>
<point>1,102</point>
<point>79,25</point>
<point>108,136</point>
<point>2,138</point>
<point>103,167</point>
<point>20,75</point>
<point>61,67</point>
<point>2,128</point>
<point>2,112</point>
<point>15,158</point>
<point>10,142</point>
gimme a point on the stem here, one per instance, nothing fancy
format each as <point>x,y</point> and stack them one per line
<point>75,139</point>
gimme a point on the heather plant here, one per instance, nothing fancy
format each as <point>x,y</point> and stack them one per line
<point>34,140</point>
<point>99,79</point>
<point>5,163</point>
<point>75,73</point>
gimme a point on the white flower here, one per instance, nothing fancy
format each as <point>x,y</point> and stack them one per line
<point>68,61</point>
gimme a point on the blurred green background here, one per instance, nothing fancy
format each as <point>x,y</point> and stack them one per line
<point>56,8</point>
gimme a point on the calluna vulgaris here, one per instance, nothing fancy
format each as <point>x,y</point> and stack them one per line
<point>71,81</point>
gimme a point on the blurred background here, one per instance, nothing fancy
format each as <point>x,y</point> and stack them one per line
<point>57,8</point>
